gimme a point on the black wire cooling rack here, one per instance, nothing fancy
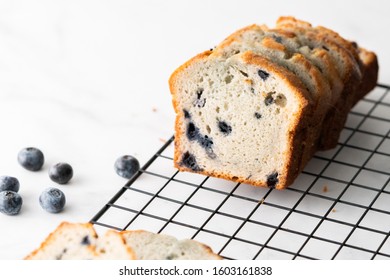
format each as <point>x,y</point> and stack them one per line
<point>338,208</point>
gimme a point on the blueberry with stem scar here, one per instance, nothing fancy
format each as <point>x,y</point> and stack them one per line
<point>31,158</point>
<point>52,200</point>
<point>10,202</point>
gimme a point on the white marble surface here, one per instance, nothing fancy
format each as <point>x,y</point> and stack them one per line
<point>86,82</point>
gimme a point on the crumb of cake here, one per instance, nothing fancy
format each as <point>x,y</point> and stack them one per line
<point>261,201</point>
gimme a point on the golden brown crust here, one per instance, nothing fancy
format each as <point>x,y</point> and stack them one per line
<point>292,20</point>
<point>272,44</point>
<point>370,74</point>
<point>324,33</point>
<point>339,117</point>
<point>179,114</point>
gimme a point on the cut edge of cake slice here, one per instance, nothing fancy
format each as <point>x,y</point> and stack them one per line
<point>241,118</point>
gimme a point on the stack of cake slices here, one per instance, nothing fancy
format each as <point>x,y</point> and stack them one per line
<point>258,106</point>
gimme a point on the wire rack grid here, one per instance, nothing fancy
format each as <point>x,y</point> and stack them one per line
<point>338,208</point>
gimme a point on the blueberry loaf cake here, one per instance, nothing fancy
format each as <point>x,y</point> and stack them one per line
<point>79,241</point>
<point>258,106</point>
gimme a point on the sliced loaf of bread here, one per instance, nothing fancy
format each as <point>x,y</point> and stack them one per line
<point>257,107</point>
<point>152,246</point>
<point>79,241</point>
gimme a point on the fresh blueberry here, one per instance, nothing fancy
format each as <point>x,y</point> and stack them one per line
<point>126,166</point>
<point>52,200</point>
<point>31,158</point>
<point>10,202</point>
<point>61,173</point>
<point>8,183</point>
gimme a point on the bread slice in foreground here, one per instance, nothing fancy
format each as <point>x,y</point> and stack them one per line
<point>257,107</point>
<point>243,118</point>
<point>79,241</point>
<point>152,246</point>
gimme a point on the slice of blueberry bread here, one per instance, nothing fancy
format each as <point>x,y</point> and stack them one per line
<point>242,118</point>
<point>256,108</point>
<point>152,246</point>
<point>311,65</point>
<point>79,241</point>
